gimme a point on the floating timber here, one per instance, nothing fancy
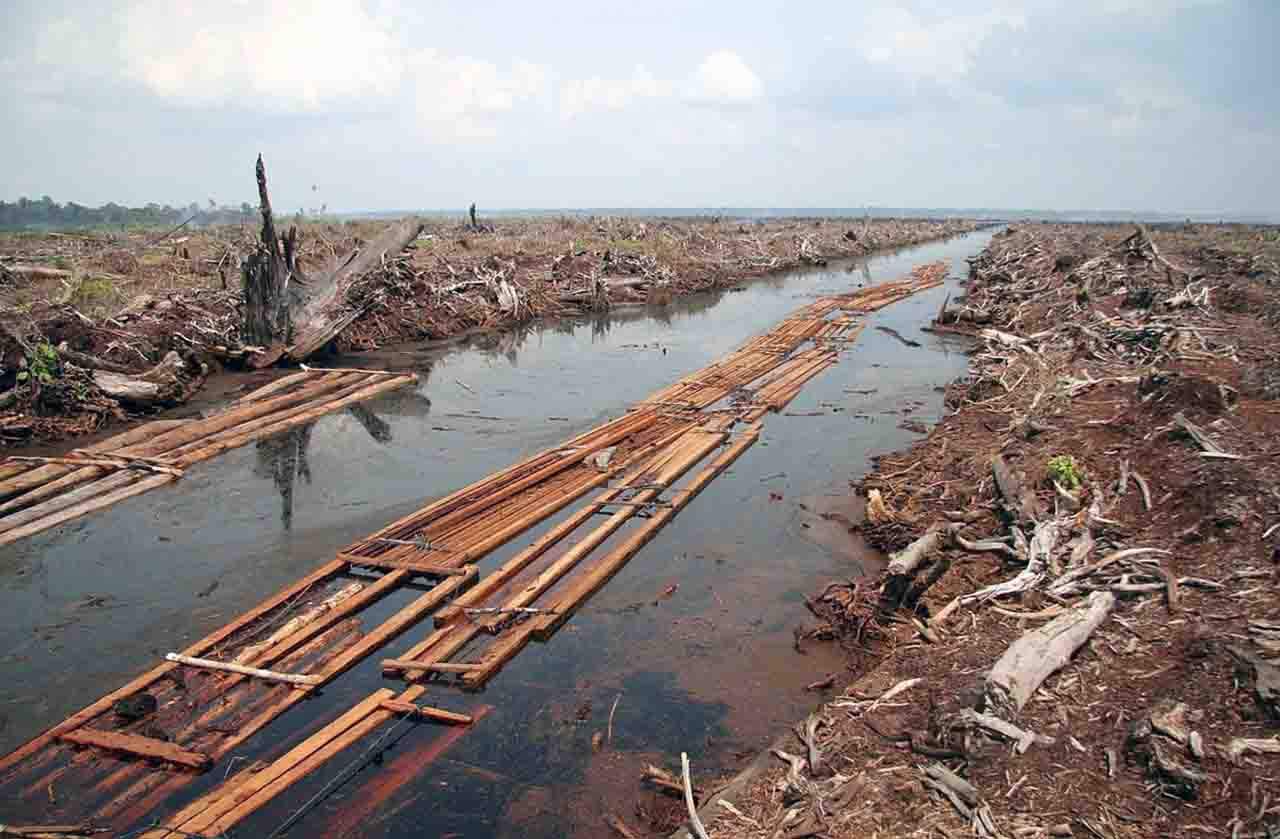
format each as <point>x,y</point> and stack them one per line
<point>37,493</point>
<point>620,484</point>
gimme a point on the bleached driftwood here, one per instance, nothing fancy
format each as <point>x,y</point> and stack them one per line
<point>694,821</point>
<point>167,383</point>
<point>1040,653</point>
<point>255,672</point>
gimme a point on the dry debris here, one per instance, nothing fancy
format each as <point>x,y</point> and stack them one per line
<point>1083,595</point>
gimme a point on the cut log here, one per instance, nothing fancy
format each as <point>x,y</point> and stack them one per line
<point>1040,653</point>
<point>170,382</point>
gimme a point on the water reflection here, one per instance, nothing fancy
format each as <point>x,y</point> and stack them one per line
<point>283,459</point>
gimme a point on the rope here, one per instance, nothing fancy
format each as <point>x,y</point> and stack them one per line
<point>341,778</point>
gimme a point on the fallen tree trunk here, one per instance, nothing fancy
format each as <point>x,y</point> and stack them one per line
<point>36,271</point>
<point>168,383</point>
<point>1040,653</point>
<point>326,312</point>
<point>92,362</point>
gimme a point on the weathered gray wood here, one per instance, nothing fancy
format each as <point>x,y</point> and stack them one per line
<point>164,384</point>
<point>266,276</point>
<point>1040,653</point>
<point>326,311</point>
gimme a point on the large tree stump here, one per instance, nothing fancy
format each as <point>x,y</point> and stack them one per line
<point>288,314</point>
<point>266,276</point>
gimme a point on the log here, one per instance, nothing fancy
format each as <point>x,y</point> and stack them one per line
<point>167,383</point>
<point>903,565</point>
<point>40,271</point>
<point>1040,653</point>
<point>325,312</point>
<point>257,673</point>
<point>140,746</point>
<point>1021,503</point>
<point>92,362</point>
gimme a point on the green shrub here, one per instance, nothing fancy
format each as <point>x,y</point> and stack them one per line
<point>1063,470</point>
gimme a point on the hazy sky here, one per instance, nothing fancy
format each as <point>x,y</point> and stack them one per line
<point>1118,104</point>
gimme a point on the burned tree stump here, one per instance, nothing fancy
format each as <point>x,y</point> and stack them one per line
<point>289,315</point>
<point>266,275</point>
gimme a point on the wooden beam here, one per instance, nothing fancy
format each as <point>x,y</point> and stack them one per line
<point>437,714</point>
<point>144,747</point>
<point>427,666</point>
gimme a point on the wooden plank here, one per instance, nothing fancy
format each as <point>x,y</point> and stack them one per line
<point>425,711</point>
<point>146,431</point>
<point>41,524</point>
<point>160,444</point>
<point>144,681</point>
<point>144,747</point>
<point>433,569</point>
<point>398,774</point>
<point>274,424</point>
<point>198,815</point>
<point>586,585</point>
<point>427,666</point>
<point>329,619</point>
<point>278,385</point>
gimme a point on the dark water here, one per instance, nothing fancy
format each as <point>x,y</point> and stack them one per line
<point>709,670</point>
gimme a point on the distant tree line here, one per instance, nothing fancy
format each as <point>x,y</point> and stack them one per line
<point>45,213</point>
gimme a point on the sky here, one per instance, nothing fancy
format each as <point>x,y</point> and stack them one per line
<point>1164,105</point>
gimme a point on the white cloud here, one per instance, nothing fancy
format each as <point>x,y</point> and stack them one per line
<point>263,55</point>
<point>724,78</point>
<point>941,50</point>
<point>581,95</point>
<point>459,95</point>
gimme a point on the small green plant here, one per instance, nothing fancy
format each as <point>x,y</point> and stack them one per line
<point>1063,470</point>
<point>42,364</point>
<point>93,293</point>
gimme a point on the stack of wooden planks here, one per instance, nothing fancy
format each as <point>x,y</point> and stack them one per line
<point>644,468</point>
<point>37,493</point>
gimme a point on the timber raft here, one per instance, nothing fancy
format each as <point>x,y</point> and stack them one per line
<point>204,703</point>
<point>38,493</point>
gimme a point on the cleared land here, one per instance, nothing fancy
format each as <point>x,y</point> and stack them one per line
<point>1079,635</point>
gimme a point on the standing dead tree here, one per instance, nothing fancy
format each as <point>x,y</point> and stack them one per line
<point>266,275</point>
<point>290,315</point>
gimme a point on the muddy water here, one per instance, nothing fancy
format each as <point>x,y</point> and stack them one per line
<point>693,639</point>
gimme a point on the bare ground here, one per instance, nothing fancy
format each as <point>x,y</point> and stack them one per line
<point>1116,358</point>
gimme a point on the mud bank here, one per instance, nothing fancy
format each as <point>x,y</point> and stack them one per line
<point>1112,451</point>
